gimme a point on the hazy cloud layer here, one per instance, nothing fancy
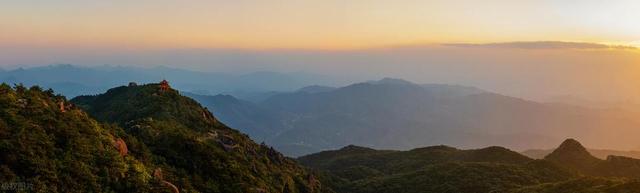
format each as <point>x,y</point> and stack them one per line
<point>542,45</point>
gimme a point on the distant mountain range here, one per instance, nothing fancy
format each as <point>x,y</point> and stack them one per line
<point>397,114</point>
<point>284,111</point>
<point>568,169</point>
<point>72,80</point>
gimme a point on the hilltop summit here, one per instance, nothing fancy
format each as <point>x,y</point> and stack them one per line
<point>191,147</point>
<point>572,154</point>
<point>570,148</point>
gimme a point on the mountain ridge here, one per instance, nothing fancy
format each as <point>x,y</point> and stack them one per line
<point>200,152</point>
<point>407,115</point>
<point>485,170</point>
<point>360,169</point>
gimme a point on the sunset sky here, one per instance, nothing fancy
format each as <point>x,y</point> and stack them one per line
<point>531,49</point>
<point>326,24</point>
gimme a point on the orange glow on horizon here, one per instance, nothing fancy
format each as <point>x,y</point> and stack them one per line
<point>329,25</point>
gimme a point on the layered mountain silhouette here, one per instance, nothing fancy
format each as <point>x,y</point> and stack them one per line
<point>133,138</point>
<point>73,80</point>
<point>493,169</point>
<point>397,114</point>
<point>388,113</point>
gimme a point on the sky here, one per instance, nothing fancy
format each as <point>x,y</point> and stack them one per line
<point>325,24</point>
<point>532,49</point>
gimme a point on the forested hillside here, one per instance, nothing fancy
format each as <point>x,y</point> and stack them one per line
<point>48,145</point>
<point>146,138</point>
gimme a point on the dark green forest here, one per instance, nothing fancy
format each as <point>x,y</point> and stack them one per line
<point>569,169</point>
<point>133,139</point>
